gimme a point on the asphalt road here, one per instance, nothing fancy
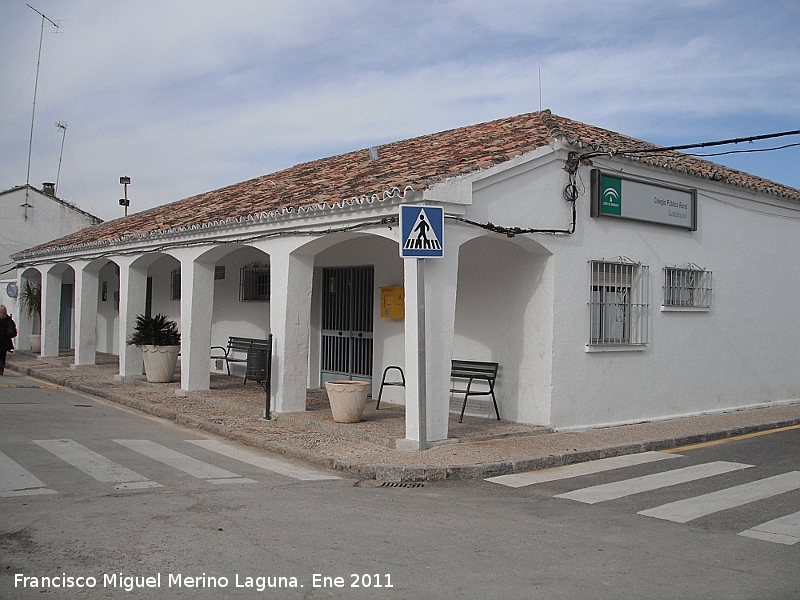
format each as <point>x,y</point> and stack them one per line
<point>89,489</point>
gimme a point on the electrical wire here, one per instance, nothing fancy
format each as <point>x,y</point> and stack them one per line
<point>747,151</point>
<point>662,149</point>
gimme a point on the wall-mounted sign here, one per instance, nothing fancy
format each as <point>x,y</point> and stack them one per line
<point>615,196</point>
<point>421,230</point>
<point>12,290</point>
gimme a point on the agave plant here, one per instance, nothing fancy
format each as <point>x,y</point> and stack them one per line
<point>155,331</point>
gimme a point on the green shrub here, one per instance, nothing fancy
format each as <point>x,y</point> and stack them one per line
<point>155,331</point>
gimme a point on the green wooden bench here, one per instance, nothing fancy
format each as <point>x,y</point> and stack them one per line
<point>237,350</point>
<point>473,371</point>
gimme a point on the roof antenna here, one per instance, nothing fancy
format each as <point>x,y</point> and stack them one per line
<point>540,82</point>
<point>62,125</point>
<point>33,116</point>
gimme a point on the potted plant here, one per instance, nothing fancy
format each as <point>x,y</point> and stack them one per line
<point>30,303</point>
<point>160,342</point>
<point>347,399</point>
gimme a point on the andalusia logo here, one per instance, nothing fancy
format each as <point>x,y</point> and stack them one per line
<point>610,195</point>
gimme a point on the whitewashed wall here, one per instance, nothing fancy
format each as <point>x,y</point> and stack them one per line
<point>108,309</point>
<point>503,307</point>
<point>232,317</point>
<point>47,219</point>
<point>742,352</point>
<point>161,271</point>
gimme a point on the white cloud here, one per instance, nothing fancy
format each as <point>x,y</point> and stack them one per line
<point>185,96</point>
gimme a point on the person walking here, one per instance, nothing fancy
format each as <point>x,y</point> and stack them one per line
<point>8,331</point>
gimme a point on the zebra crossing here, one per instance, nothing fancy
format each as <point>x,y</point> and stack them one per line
<point>783,530</point>
<point>16,480</point>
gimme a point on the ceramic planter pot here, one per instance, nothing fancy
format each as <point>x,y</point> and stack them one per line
<point>36,343</point>
<point>348,399</point>
<point>160,362</point>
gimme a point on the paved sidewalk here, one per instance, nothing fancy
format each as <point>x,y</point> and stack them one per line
<point>485,447</point>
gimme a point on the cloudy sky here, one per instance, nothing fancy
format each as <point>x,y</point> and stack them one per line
<point>188,96</point>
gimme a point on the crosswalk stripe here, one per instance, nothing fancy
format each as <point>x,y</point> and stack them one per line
<point>646,483</point>
<point>187,464</point>
<point>576,470</point>
<point>16,480</point>
<point>784,530</point>
<point>94,465</point>
<point>251,457</point>
<point>689,509</point>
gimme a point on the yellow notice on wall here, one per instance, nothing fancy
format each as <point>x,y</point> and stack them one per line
<point>393,302</point>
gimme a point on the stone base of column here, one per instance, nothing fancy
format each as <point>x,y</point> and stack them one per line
<point>407,445</point>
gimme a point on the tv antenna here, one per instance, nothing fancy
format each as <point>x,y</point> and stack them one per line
<point>33,115</point>
<point>540,82</point>
<point>62,125</point>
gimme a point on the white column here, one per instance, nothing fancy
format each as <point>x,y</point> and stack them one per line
<point>51,308</point>
<point>290,321</point>
<point>412,346</point>
<point>197,309</point>
<point>86,284</point>
<point>132,296</point>
<point>441,278</point>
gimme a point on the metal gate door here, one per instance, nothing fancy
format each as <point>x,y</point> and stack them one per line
<point>347,323</point>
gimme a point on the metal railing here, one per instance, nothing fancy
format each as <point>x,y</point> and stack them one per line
<point>619,303</point>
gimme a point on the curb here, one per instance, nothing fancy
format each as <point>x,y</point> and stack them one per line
<point>406,473</point>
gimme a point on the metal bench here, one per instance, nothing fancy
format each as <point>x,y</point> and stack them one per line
<point>472,371</point>
<point>238,349</point>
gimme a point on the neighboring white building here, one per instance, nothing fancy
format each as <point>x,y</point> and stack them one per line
<point>684,301</point>
<point>29,216</point>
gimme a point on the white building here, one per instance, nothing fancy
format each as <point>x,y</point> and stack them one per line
<point>685,301</point>
<point>29,216</point>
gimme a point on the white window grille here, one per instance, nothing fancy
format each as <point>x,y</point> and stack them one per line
<point>688,287</point>
<point>254,283</point>
<point>175,285</point>
<point>619,303</point>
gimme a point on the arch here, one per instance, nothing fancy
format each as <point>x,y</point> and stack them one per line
<point>349,250</point>
<point>58,302</point>
<point>317,245</point>
<point>29,328</point>
<point>504,314</point>
<point>241,302</point>
<point>105,285</point>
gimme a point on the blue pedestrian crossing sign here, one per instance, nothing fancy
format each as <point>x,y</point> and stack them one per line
<point>421,229</point>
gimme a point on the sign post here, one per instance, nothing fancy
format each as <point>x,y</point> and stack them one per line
<point>421,229</point>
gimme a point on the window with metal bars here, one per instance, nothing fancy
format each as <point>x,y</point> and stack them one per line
<point>687,287</point>
<point>254,283</point>
<point>175,285</point>
<point>618,304</point>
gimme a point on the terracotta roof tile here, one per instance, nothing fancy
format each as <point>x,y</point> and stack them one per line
<point>416,163</point>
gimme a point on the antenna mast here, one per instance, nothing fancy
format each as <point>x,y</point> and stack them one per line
<point>540,82</point>
<point>62,125</point>
<point>33,116</point>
